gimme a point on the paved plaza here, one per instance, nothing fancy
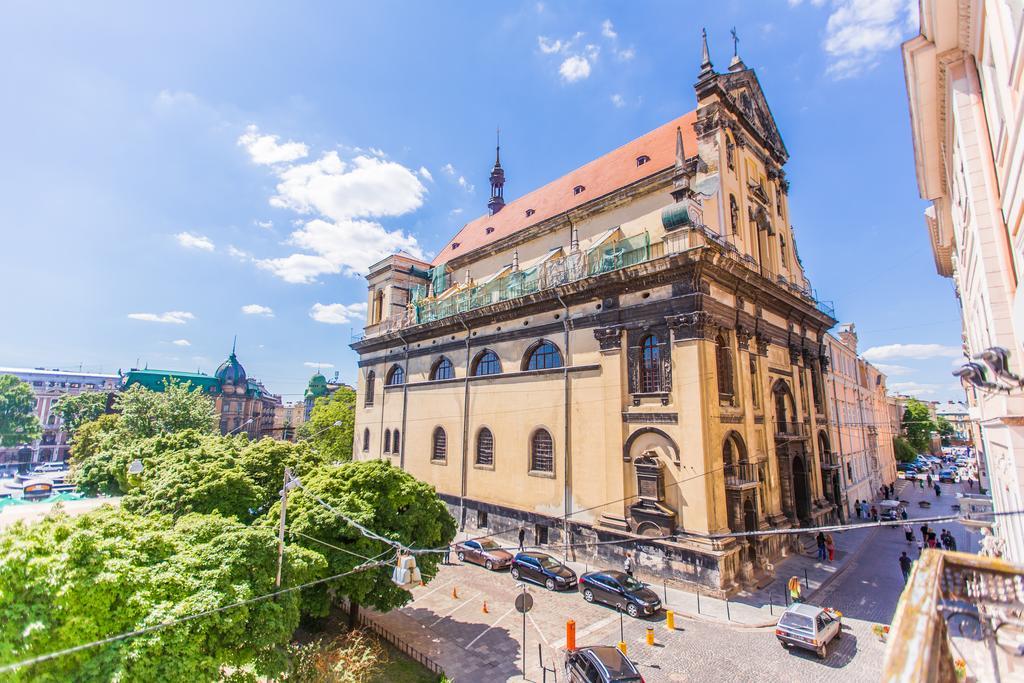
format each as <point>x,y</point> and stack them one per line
<point>864,583</point>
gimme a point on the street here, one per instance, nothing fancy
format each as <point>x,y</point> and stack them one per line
<point>474,645</point>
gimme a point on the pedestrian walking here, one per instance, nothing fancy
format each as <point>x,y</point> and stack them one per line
<point>929,480</point>
<point>874,513</point>
<point>924,533</point>
<point>793,585</point>
<point>447,554</point>
<point>938,489</point>
<point>920,548</point>
<point>952,541</point>
<point>522,536</point>
<point>830,546</point>
<point>908,531</point>
<point>945,539</point>
<point>856,506</point>
<point>820,539</point>
<point>905,564</point>
<point>904,515</point>
<point>627,564</point>
<point>970,482</point>
<point>920,483</point>
<point>933,541</point>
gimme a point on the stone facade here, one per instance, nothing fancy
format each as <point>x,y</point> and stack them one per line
<point>963,81</point>
<point>633,364</point>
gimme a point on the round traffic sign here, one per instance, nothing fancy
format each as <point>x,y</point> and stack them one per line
<point>524,603</point>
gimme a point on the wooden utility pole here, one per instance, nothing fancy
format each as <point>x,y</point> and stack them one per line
<point>280,530</point>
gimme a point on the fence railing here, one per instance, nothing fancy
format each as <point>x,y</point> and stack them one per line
<point>740,474</point>
<point>402,646</point>
<point>790,430</point>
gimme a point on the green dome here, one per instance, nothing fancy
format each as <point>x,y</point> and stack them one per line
<point>231,371</point>
<point>317,386</point>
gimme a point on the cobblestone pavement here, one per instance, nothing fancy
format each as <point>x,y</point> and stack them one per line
<point>474,645</point>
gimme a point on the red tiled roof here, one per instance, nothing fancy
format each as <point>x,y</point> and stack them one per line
<point>606,174</point>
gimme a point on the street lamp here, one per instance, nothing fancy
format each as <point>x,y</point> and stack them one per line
<point>239,427</point>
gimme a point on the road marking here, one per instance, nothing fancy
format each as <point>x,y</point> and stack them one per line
<point>435,589</point>
<point>597,625</point>
<point>484,632</point>
<point>462,604</point>
<point>539,632</point>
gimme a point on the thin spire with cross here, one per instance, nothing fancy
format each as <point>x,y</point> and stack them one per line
<point>735,43</point>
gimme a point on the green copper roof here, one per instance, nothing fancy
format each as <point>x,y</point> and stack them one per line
<point>154,379</point>
<point>675,215</point>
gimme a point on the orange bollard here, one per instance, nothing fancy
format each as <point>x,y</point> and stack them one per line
<point>670,620</point>
<point>650,635</point>
<point>570,635</point>
<point>455,593</point>
<point>485,610</point>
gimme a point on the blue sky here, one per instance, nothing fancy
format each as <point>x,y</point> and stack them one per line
<point>178,174</point>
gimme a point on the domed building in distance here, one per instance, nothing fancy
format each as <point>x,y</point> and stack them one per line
<point>244,404</point>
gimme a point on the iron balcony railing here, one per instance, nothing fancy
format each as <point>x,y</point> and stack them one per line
<point>790,430</point>
<point>830,460</point>
<point>606,258</point>
<point>740,474</point>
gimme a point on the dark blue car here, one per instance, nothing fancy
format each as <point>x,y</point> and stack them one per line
<point>543,569</point>
<point>619,590</point>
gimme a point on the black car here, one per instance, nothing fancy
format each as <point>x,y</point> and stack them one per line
<point>605,664</point>
<point>620,590</point>
<point>544,569</point>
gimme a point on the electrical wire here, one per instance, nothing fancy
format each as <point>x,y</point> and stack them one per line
<point>7,668</point>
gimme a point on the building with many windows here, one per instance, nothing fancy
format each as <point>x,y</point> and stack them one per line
<point>964,80</point>
<point>631,351</point>
<point>243,404</point>
<point>49,386</point>
<point>861,421</point>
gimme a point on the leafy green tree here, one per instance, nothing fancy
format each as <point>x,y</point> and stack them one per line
<point>92,451</point>
<point>918,425</point>
<point>322,429</point>
<point>381,497</point>
<point>71,580</point>
<point>18,421</point>
<point>178,407</point>
<point>945,429</point>
<point>903,450</point>
<point>76,410</point>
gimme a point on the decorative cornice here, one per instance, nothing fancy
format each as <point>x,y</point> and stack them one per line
<point>696,325</point>
<point>651,418</point>
<point>610,338</point>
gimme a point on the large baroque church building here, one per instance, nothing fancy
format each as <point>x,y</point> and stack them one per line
<point>631,352</point>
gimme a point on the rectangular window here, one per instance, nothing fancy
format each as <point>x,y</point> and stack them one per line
<point>541,534</point>
<point>481,519</point>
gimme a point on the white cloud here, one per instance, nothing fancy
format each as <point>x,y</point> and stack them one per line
<point>914,388</point>
<point>607,30</point>
<point>574,68</point>
<point>173,317</point>
<point>859,31</point>
<point>266,225</point>
<point>265,149</point>
<point>337,314</point>
<point>913,351</point>
<point>449,169</point>
<point>182,342</point>
<point>456,211</point>
<point>176,98</point>
<point>425,174</point>
<point>618,100</point>
<point>237,253</point>
<point>593,51</point>
<point>625,55</point>
<point>257,309</point>
<point>548,46</point>
<point>193,241</point>
<point>342,197</point>
<point>894,370</point>
<point>465,184</point>
<point>318,366</point>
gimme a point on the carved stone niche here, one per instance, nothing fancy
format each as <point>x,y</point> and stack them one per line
<point>696,325</point>
<point>743,336</point>
<point>794,354</point>
<point>609,338</point>
<point>762,344</point>
<point>650,516</point>
<point>823,360</point>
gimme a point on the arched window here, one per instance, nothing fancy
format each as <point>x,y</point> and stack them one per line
<point>642,159</point>
<point>486,363</point>
<point>723,361</point>
<point>387,440</point>
<point>396,443</point>
<point>542,452</point>
<point>733,450</point>
<point>650,365</point>
<point>439,445</point>
<point>578,189</point>
<point>443,369</point>
<point>542,356</point>
<point>485,447</point>
<point>366,440</point>
<point>396,376</point>
<point>371,380</point>
<point>734,214</point>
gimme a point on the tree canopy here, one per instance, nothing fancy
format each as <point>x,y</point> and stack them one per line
<point>903,450</point>
<point>67,581</point>
<point>945,429</point>
<point>918,425</point>
<point>18,421</point>
<point>78,409</point>
<point>321,428</point>
<point>178,407</point>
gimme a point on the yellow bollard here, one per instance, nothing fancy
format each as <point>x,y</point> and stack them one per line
<point>650,635</point>
<point>670,620</point>
<point>622,647</point>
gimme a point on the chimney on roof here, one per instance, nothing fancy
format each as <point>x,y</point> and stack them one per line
<point>497,200</point>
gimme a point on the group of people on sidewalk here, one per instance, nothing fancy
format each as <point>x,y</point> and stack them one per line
<point>826,547</point>
<point>944,540</point>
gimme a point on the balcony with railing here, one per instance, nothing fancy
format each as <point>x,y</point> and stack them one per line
<point>830,460</point>
<point>740,475</point>
<point>607,257</point>
<point>790,430</point>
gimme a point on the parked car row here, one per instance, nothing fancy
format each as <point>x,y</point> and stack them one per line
<point>614,588</point>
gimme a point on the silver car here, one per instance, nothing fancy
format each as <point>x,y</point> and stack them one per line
<point>809,627</point>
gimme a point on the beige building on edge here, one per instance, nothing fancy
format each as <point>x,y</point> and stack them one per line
<point>632,351</point>
<point>860,420</point>
<point>964,79</point>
